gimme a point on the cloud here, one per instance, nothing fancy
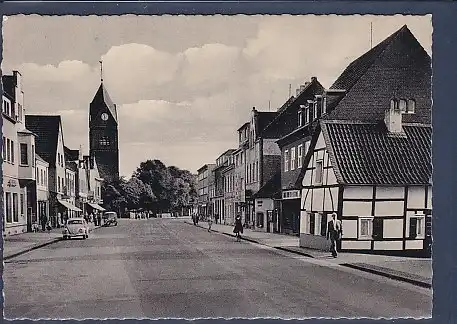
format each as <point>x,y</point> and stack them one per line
<point>185,85</point>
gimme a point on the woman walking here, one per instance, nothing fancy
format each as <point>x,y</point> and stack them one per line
<point>210,223</point>
<point>238,228</point>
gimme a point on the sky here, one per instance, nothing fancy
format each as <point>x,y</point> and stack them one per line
<point>183,85</point>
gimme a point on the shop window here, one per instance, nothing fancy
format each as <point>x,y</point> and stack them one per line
<point>259,220</point>
<point>311,223</point>
<point>323,226</point>
<point>317,223</point>
<point>8,208</point>
<point>366,228</point>
<point>15,208</point>
<point>22,204</point>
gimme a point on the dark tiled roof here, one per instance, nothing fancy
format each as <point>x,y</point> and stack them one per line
<point>271,189</point>
<point>366,153</point>
<point>103,96</point>
<point>71,166</point>
<point>264,118</point>
<point>71,155</point>
<point>398,66</point>
<point>286,119</point>
<point>47,130</point>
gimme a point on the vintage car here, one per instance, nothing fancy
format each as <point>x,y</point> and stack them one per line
<point>110,218</point>
<point>76,227</point>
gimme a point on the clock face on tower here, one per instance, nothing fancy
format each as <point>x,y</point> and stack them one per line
<point>105,116</point>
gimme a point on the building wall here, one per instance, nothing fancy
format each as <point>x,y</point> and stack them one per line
<point>374,218</point>
<point>262,206</point>
<point>14,194</point>
<point>318,199</point>
<point>42,193</point>
<point>229,196</point>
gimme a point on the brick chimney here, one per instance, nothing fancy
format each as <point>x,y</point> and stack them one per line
<point>393,118</point>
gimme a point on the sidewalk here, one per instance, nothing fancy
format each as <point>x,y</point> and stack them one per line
<point>417,271</point>
<point>15,245</point>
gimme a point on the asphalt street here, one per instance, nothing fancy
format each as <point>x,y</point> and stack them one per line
<point>166,268</point>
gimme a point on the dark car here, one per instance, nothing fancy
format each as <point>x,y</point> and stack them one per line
<point>110,218</point>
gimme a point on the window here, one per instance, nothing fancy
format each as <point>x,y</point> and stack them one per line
<point>292,158</point>
<point>319,172</point>
<point>4,148</point>
<point>300,118</point>
<point>24,155</point>
<point>8,150</point>
<point>378,228</point>
<point>33,156</point>
<point>366,228</point>
<point>286,160</point>
<point>42,177</point>
<point>393,104</point>
<point>317,223</point>
<point>311,223</point>
<point>402,105</point>
<point>12,151</point>
<point>45,178</point>
<point>9,214</point>
<point>410,109</point>
<point>104,141</point>
<point>58,184</point>
<point>417,226</point>
<point>19,108</point>
<point>15,208</point>
<point>257,171</point>
<point>299,156</point>
<point>22,204</point>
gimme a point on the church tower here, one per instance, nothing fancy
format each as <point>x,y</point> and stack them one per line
<point>103,133</point>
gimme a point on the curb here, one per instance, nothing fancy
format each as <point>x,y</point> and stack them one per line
<point>389,275</point>
<point>31,249</point>
<point>348,265</point>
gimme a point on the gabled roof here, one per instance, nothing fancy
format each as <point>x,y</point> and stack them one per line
<point>39,158</point>
<point>102,96</point>
<point>264,118</point>
<point>397,64</point>
<point>71,155</point>
<point>71,165</point>
<point>8,86</point>
<point>286,118</point>
<point>47,130</point>
<point>367,154</point>
<point>271,189</point>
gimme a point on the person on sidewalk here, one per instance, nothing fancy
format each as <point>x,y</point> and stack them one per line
<point>238,228</point>
<point>210,223</point>
<point>44,221</point>
<point>334,233</point>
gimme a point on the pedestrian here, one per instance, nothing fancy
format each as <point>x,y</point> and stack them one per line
<point>334,233</point>
<point>216,217</point>
<point>210,223</point>
<point>44,220</point>
<point>238,228</point>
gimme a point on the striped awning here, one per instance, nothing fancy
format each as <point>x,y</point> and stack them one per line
<point>96,206</point>
<point>68,205</point>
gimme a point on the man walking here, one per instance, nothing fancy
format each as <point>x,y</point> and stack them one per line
<point>334,233</point>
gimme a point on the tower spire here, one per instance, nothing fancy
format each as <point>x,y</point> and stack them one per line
<point>101,70</point>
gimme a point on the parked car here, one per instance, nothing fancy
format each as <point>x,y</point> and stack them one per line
<point>76,227</point>
<point>110,218</point>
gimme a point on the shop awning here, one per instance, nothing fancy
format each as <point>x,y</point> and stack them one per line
<point>96,206</point>
<point>68,205</point>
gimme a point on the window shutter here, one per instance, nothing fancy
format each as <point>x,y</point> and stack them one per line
<point>428,225</point>
<point>412,227</point>
<point>324,225</point>
<point>311,223</point>
<point>378,228</point>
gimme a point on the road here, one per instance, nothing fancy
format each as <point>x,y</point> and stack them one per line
<point>166,268</point>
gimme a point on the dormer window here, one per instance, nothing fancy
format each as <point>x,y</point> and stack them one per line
<point>402,105</point>
<point>411,107</point>
<point>300,118</point>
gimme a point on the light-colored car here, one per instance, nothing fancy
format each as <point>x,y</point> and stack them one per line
<point>76,227</point>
